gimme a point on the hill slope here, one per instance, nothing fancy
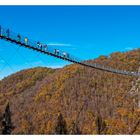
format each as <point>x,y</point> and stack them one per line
<point>90,100</point>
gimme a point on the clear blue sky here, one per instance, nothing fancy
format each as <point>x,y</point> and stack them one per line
<point>83,31</point>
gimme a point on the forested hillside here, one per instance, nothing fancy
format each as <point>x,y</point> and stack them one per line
<point>73,99</point>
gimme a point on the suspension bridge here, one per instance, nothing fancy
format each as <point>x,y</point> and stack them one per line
<point>8,35</point>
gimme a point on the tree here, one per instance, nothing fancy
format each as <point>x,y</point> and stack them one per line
<point>132,131</point>
<point>100,125</point>
<point>61,127</point>
<point>7,126</point>
<point>75,129</point>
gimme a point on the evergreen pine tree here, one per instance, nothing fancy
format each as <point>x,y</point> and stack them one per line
<point>100,125</point>
<point>6,121</point>
<point>61,127</point>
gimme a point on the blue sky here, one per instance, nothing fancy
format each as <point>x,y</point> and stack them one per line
<point>84,31</point>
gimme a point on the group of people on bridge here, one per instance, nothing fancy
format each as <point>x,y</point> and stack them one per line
<point>41,46</point>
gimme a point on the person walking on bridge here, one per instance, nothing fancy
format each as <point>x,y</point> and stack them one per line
<point>39,45</point>
<point>19,37</point>
<point>56,51</point>
<point>64,54</point>
<point>8,33</point>
<point>26,40</point>
<point>45,47</point>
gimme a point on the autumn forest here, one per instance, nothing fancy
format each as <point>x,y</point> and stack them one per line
<point>73,99</point>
